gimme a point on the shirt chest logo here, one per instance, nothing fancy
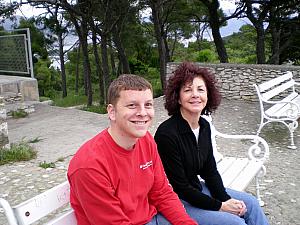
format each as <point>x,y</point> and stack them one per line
<point>146,165</point>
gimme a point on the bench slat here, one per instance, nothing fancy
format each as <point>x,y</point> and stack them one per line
<point>42,204</point>
<point>233,171</point>
<point>224,164</point>
<point>271,83</point>
<point>246,175</point>
<point>284,110</point>
<point>66,219</point>
<point>272,111</point>
<point>276,91</point>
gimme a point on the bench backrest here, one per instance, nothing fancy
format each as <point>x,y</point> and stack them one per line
<point>218,156</point>
<point>43,204</point>
<point>274,87</point>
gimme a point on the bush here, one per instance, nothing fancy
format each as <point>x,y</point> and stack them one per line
<point>22,151</point>
<point>206,55</point>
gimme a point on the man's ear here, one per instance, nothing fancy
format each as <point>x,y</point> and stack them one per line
<point>111,112</point>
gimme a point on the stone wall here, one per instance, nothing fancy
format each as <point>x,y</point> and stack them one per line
<point>236,80</point>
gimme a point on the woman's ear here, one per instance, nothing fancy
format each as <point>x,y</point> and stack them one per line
<point>111,112</point>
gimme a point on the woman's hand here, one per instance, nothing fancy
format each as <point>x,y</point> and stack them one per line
<point>234,206</point>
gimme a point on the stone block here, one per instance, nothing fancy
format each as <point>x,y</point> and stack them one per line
<point>29,90</point>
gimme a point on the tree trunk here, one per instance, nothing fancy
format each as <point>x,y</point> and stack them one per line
<point>62,66</point>
<point>77,70</point>
<point>98,68</point>
<point>155,6</point>
<point>215,29</point>
<point>275,33</point>
<point>82,34</point>
<point>105,67</point>
<point>122,54</point>
<point>260,44</point>
<point>112,61</point>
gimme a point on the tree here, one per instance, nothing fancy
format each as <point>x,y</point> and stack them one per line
<point>55,23</point>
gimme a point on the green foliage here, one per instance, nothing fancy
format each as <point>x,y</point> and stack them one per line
<point>48,78</point>
<point>206,55</point>
<point>241,46</point>
<point>43,98</point>
<point>38,39</point>
<point>60,159</point>
<point>46,165</point>
<point>100,109</point>
<point>137,67</point>
<point>18,152</point>
<point>20,113</point>
<point>70,100</point>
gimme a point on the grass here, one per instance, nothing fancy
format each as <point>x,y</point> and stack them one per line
<point>46,165</point>
<point>43,98</point>
<point>19,114</point>
<point>70,100</point>
<point>35,140</point>
<point>95,109</point>
<point>22,151</point>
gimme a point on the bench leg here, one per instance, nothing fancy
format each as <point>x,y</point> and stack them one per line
<point>259,175</point>
<point>292,127</point>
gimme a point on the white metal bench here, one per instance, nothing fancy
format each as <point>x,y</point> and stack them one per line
<point>238,172</point>
<point>41,206</point>
<point>279,102</point>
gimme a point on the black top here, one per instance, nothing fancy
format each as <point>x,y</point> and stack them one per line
<point>184,160</point>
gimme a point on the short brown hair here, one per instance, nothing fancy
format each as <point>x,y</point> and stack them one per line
<point>184,74</point>
<point>126,82</point>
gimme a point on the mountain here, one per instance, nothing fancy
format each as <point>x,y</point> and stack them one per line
<point>233,26</point>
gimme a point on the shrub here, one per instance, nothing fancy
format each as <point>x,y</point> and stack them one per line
<point>22,151</point>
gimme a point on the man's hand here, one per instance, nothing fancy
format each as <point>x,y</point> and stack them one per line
<point>234,206</point>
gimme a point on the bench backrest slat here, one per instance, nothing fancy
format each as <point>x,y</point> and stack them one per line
<point>279,89</point>
<point>66,219</point>
<point>271,83</point>
<point>42,204</point>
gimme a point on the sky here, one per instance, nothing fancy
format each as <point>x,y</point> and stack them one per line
<point>28,11</point>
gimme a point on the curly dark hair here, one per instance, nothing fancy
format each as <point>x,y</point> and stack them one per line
<point>184,74</point>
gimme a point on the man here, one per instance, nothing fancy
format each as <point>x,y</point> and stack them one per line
<point>117,177</point>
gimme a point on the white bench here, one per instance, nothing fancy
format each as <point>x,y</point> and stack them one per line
<point>237,173</point>
<point>279,102</point>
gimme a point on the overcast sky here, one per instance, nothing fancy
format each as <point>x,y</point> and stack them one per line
<point>28,11</point>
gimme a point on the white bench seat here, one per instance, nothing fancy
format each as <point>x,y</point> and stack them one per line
<point>279,102</point>
<point>238,173</point>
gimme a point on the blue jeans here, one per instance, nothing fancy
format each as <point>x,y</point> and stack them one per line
<point>253,216</point>
<point>158,219</point>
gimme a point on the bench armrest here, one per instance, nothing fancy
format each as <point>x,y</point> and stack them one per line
<point>258,151</point>
<point>8,212</point>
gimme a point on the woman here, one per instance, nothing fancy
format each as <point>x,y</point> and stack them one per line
<point>184,144</point>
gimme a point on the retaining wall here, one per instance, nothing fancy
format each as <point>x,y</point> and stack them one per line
<point>236,80</point>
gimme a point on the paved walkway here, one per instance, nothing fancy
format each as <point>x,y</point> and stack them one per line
<point>62,131</point>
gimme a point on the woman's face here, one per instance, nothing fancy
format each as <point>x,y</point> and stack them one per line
<point>193,96</point>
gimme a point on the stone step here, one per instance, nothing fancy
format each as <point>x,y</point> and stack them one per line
<point>27,106</point>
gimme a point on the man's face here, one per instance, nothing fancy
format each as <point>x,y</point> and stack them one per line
<point>133,113</point>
